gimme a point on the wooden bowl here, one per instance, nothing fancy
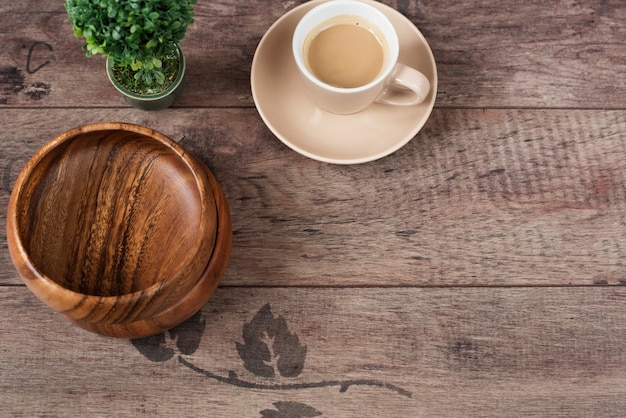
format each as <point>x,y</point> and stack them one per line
<point>119,229</point>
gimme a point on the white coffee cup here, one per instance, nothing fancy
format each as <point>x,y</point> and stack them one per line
<point>395,83</point>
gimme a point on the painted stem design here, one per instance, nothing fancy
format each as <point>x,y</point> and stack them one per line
<point>344,385</point>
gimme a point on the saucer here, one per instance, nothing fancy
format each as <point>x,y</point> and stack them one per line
<point>291,115</point>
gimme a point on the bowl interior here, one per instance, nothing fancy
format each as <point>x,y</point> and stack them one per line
<point>109,213</point>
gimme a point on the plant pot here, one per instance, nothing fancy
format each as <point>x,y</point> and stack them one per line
<point>156,101</point>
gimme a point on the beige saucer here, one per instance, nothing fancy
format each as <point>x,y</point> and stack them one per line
<point>341,139</point>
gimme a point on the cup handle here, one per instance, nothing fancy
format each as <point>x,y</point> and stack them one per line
<point>405,87</point>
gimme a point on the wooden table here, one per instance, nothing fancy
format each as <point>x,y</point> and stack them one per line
<point>477,271</point>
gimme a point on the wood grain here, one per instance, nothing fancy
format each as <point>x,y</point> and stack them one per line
<point>452,352</point>
<point>87,222</point>
<point>79,212</point>
<point>530,54</point>
<point>478,271</point>
<point>479,197</point>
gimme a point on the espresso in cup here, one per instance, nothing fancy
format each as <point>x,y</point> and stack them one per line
<point>345,51</point>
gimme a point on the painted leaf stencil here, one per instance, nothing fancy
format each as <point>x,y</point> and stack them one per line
<point>269,348</point>
<point>290,410</point>
<point>184,338</point>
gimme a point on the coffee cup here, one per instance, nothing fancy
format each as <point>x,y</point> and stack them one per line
<point>346,53</point>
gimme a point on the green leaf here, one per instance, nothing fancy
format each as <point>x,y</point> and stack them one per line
<point>130,30</point>
<point>151,44</point>
<point>160,77</point>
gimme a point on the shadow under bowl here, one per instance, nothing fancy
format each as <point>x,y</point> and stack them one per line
<point>119,229</point>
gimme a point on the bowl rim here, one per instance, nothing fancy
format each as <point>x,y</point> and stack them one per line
<point>64,299</point>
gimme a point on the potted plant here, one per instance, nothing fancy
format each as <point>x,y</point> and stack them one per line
<point>140,39</point>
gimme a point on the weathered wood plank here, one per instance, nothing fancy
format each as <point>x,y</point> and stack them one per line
<point>43,64</point>
<point>433,282</point>
<point>496,197</point>
<point>489,54</point>
<point>398,352</point>
<point>527,54</point>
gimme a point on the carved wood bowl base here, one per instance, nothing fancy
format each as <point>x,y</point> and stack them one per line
<point>119,229</point>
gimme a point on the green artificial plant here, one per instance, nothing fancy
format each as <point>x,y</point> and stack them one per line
<point>139,35</point>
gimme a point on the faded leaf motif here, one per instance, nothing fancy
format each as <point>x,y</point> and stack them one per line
<point>189,334</point>
<point>269,348</point>
<point>290,410</point>
<point>153,348</point>
<point>185,338</point>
